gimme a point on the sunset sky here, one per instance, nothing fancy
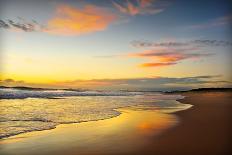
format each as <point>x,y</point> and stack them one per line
<point>121,44</point>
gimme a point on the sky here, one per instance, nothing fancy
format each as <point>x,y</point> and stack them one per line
<point>116,44</point>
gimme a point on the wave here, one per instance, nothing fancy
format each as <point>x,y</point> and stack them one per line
<point>36,114</point>
<point>11,93</point>
<point>17,127</point>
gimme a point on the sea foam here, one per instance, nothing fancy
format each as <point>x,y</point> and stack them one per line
<point>37,110</point>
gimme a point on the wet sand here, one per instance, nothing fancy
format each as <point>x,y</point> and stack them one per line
<point>201,130</point>
<point>205,129</point>
<point>125,134</point>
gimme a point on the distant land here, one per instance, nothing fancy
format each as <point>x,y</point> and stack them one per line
<point>38,89</point>
<point>202,90</point>
<point>26,88</point>
<point>171,91</point>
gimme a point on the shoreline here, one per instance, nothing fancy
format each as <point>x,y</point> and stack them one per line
<point>203,129</point>
<point>134,120</point>
<point>12,136</point>
<point>100,137</point>
<point>118,111</point>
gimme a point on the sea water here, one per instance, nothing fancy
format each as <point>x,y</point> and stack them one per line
<point>34,110</point>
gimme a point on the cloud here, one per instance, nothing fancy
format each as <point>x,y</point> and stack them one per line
<point>21,25</point>
<point>69,20</point>
<point>153,83</point>
<point>138,7</point>
<point>168,56</point>
<point>221,21</point>
<point>155,64</point>
<point>169,53</point>
<point>86,18</point>
<point>163,54</point>
<point>199,42</point>
<point>4,24</point>
<point>11,81</point>
<point>212,43</point>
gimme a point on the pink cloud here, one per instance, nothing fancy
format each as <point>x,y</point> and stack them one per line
<point>137,7</point>
<point>168,56</point>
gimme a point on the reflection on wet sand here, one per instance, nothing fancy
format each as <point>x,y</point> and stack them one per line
<point>125,133</point>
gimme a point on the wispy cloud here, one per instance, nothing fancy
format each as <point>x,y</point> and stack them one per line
<point>12,81</point>
<point>172,52</point>
<point>86,18</point>
<point>221,21</point>
<point>199,42</point>
<point>69,20</point>
<point>168,56</point>
<point>136,7</point>
<point>161,54</point>
<point>21,25</point>
<point>153,83</point>
<point>157,64</point>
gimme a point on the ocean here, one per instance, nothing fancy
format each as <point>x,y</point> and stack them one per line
<point>35,110</point>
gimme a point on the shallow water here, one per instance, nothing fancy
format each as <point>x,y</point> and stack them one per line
<point>34,114</point>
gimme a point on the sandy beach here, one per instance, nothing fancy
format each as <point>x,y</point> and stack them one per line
<point>126,133</point>
<point>115,77</point>
<point>202,129</point>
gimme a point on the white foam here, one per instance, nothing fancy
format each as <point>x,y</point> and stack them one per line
<point>32,114</point>
<point>11,93</point>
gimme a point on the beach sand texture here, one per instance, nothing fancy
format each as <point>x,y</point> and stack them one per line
<point>203,129</point>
